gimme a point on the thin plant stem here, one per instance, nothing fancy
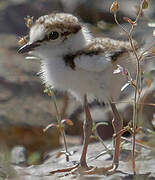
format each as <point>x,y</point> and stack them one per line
<point>131,102</point>
<point>60,125</point>
<point>136,98</point>
<point>138,83</point>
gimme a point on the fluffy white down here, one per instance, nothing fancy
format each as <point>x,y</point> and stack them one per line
<point>103,85</point>
<point>93,76</point>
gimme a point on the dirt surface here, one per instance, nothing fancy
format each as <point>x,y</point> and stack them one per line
<point>144,163</point>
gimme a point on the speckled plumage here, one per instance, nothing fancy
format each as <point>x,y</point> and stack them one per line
<point>57,20</point>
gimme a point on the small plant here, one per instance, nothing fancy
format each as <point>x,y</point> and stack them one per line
<point>61,123</point>
<point>136,83</point>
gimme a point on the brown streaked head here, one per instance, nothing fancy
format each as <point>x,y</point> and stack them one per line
<point>53,28</point>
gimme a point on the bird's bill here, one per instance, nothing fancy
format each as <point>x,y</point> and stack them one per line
<point>27,47</point>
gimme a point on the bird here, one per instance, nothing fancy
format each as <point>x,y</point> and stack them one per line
<point>73,60</point>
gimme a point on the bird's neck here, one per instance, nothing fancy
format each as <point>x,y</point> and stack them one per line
<point>80,40</point>
<point>71,46</point>
<point>74,43</point>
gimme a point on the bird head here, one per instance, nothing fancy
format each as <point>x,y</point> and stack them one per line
<point>56,33</point>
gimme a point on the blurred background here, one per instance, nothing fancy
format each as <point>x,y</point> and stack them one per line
<point>25,110</point>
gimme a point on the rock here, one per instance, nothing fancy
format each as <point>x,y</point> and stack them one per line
<point>24,109</point>
<point>19,156</point>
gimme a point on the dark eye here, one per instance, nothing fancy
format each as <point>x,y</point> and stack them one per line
<point>53,35</point>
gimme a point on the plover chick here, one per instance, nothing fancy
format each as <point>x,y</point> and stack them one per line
<point>73,60</point>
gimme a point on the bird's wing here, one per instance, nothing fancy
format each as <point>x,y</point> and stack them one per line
<point>100,54</point>
<point>94,63</point>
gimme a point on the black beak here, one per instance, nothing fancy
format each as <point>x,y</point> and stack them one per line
<point>27,47</point>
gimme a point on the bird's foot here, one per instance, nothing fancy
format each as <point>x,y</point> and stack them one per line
<point>102,170</point>
<point>76,169</point>
<point>64,170</point>
<point>80,169</point>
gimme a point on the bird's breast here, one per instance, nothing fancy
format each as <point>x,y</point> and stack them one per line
<point>56,73</point>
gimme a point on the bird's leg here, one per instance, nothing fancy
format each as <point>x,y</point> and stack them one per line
<point>117,125</point>
<point>82,167</point>
<point>87,127</point>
